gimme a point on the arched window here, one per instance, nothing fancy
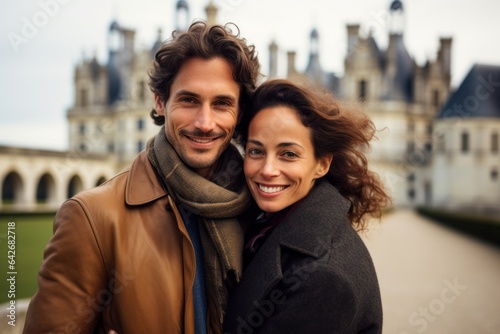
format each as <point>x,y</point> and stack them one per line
<point>100,181</point>
<point>12,187</point>
<point>75,185</point>
<point>45,190</point>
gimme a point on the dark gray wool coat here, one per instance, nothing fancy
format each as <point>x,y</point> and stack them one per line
<point>313,274</point>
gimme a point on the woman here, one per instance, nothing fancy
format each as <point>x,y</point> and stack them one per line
<point>307,270</point>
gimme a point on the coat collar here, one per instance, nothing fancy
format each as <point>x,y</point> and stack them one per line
<point>308,230</point>
<point>142,182</point>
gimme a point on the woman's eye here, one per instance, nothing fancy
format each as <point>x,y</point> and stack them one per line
<point>253,152</point>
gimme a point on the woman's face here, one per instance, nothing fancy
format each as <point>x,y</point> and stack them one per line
<point>280,167</point>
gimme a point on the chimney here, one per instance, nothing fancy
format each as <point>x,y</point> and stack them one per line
<point>291,63</point>
<point>273,60</point>
<point>211,11</point>
<point>352,37</point>
<point>444,54</point>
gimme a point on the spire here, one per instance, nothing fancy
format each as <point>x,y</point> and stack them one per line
<point>181,15</point>
<point>157,44</point>
<point>115,40</point>
<point>397,22</point>
<point>314,71</point>
<point>314,42</point>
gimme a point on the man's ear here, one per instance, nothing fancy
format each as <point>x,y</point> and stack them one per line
<point>159,105</point>
<point>323,166</point>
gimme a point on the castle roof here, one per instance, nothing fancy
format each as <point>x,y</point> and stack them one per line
<point>477,96</point>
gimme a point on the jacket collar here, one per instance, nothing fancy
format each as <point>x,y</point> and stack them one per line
<point>142,183</point>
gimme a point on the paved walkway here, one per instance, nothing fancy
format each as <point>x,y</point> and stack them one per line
<point>434,280</point>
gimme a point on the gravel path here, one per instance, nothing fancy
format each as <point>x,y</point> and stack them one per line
<point>434,280</point>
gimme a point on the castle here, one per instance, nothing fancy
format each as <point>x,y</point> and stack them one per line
<point>435,147</point>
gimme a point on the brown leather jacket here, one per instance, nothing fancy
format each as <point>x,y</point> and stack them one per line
<point>120,258</point>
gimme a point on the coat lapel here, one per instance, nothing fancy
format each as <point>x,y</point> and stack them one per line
<point>304,232</point>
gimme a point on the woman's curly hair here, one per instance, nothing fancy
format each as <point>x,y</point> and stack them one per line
<point>339,130</point>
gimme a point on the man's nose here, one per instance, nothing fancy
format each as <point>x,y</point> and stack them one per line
<point>205,118</point>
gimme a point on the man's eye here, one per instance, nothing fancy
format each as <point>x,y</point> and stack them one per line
<point>290,154</point>
<point>223,103</point>
<point>187,99</point>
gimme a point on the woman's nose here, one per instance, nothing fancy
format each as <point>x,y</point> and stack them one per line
<point>270,167</point>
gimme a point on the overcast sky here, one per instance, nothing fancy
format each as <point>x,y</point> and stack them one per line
<point>42,40</point>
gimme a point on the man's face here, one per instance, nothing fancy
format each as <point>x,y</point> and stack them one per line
<point>201,112</point>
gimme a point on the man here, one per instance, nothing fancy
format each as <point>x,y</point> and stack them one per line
<point>134,254</point>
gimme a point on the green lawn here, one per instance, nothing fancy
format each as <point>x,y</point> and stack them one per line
<point>32,233</point>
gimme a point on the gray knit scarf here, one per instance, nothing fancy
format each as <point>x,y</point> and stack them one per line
<point>217,202</point>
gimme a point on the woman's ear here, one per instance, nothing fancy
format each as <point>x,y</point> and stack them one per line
<point>323,165</point>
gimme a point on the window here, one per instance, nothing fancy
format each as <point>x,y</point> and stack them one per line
<point>362,93</point>
<point>465,142</point>
<point>494,174</point>
<point>84,97</point>
<point>410,147</point>
<point>411,194</point>
<point>140,124</point>
<point>440,142</point>
<point>435,98</point>
<point>411,127</point>
<point>428,147</point>
<point>81,129</point>
<point>140,146</point>
<point>141,90</point>
<point>111,147</point>
<point>82,147</point>
<point>494,143</point>
<point>429,129</point>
